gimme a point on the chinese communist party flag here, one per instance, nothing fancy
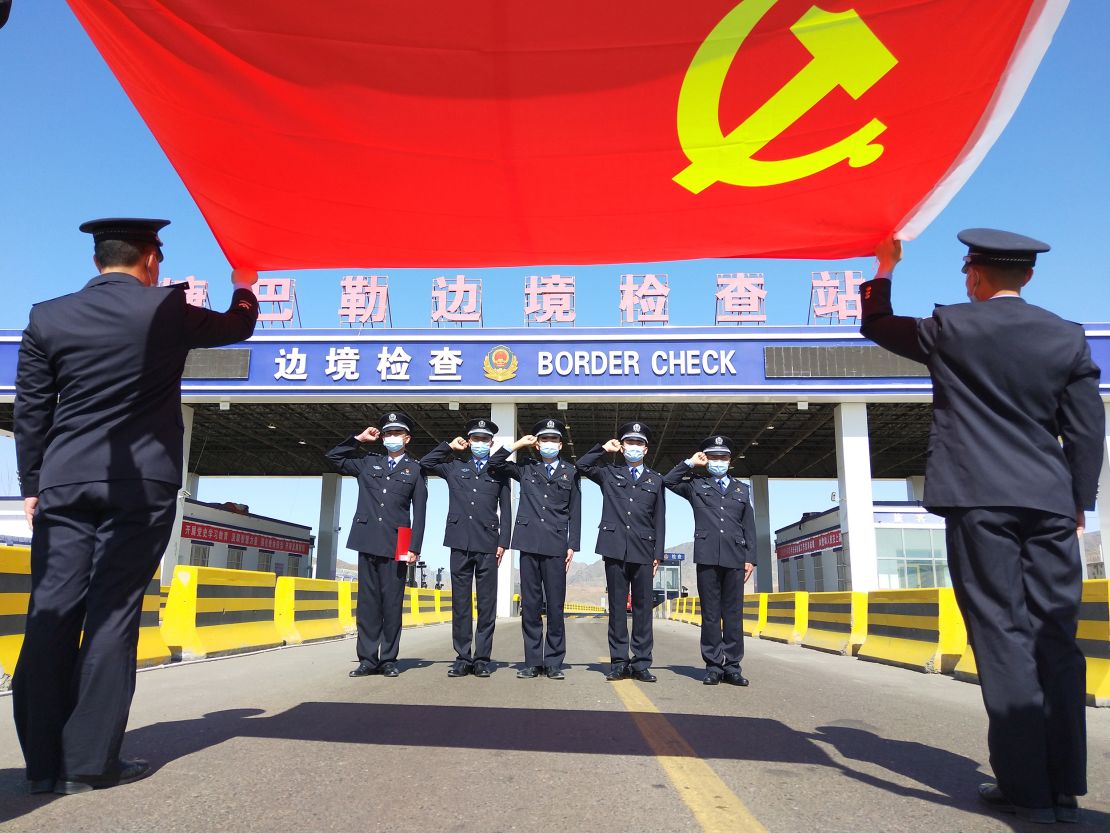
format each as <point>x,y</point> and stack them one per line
<point>486,132</point>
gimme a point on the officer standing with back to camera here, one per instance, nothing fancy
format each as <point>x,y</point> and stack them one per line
<point>98,436</point>
<point>1014,457</point>
<point>630,541</point>
<point>390,486</point>
<point>477,538</point>
<point>724,553</point>
<point>546,534</point>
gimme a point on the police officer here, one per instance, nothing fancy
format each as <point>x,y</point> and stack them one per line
<point>477,538</point>
<point>724,553</point>
<point>547,531</point>
<point>1014,457</point>
<point>98,436</point>
<point>630,540</point>
<point>390,487</point>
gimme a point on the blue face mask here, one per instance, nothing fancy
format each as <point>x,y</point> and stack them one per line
<point>479,449</point>
<point>634,453</point>
<point>393,444</point>
<point>549,451</point>
<point>717,468</point>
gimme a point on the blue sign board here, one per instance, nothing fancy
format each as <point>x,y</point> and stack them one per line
<point>673,557</point>
<point>577,363</point>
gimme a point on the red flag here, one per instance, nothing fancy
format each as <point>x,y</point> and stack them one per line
<point>348,132</point>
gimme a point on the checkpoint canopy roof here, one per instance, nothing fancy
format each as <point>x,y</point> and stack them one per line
<point>327,133</point>
<point>776,439</point>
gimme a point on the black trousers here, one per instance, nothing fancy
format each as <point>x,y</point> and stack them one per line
<point>94,550</point>
<point>477,569</point>
<point>381,597</point>
<point>622,577</point>
<point>722,606</point>
<point>1018,581</point>
<point>543,577</point>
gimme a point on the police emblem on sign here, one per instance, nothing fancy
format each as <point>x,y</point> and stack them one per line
<point>500,364</point>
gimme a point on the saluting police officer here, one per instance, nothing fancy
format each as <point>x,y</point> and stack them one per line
<point>477,537</point>
<point>98,437</point>
<point>390,487</point>
<point>546,534</point>
<point>1015,452</point>
<point>630,540</point>
<point>724,553</point>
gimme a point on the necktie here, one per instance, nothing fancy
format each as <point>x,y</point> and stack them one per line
<point>479,464</point>
<point>550,470</point>
<point>392,463</point>
<point>722,485</point>
<point>635,474</point>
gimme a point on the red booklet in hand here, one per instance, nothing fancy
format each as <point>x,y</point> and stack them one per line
<point>404,538</point>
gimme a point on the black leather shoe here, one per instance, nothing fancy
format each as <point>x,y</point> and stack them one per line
<point>617,672</point>
<point>528,672</point>
<point>994,798</point>
<point>125,773</point>
<point>389,669</point>
<point>363,670</point>
<point>712,677</point>
<point>1066,808</point>
<point>644,676</point>
<point>481,669</point>
<point>459,669</point>
<point>41,785</point>
<point>735,678</point>
<point>554,673</point>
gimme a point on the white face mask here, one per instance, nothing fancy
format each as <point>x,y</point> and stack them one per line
<point>549,451</point>
<point>393,444</point>
<point>479,448</point>
<point>634,453</point>
<point>717,468</point>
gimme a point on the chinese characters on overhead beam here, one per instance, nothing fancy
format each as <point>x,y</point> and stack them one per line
<point>549,300</point>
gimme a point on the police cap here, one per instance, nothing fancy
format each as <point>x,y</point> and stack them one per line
<point>138,230</point>
<point>550,426</point>
<point>395,420</point>
<point>991,247</point>
<point>635,431</point>
<point>481,426</point>
<point>718,444</point>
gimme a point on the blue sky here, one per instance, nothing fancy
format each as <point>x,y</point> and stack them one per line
<point>74,148</point>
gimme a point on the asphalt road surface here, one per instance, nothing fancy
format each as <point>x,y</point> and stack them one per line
<point>284,741</point>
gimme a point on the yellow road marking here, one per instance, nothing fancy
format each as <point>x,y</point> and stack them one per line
<point>716,808</point>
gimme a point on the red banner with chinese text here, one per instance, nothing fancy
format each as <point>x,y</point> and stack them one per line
<point>241,538</point>
<point>484,133</point>
<point>813,543</point>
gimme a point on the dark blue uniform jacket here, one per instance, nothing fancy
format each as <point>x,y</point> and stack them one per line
<point>724,524</point>
<point>475,497</point>
<point>549,514</point>
<point>633,515</point>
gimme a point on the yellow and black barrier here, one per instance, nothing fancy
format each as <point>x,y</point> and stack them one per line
<point>212,611</point>
<point>307,609</point>
<point>152,648</point>
<point>918,629</point>
<point>754,614</point>
<point>1094,639</point>
<point>15,594</point>
<point>163,597</point>
<point>444,609</point>
<point>348,604</point>
<point>787,617</point>
<point>837,622</point>
<point>581,609</point>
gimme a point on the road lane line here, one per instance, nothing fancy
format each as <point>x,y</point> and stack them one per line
<point>716,808</point>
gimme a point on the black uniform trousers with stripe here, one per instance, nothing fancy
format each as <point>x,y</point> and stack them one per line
<point>94,549</point>
<point>721,591</point>
<point>478,570</point>
<point>543,578</point>
<point>1017,578</point>
<point>381,600</point>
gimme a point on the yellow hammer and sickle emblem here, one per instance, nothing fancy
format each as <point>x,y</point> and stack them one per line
<point>846,53</point>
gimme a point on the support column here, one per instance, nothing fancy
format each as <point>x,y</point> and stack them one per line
<point>1103,504</point>
<point>766,576</point>
<point>857,515</point>
<point>169,557</point>
<point>327,531</point>
<point>915,488</point>
<point>504,414</point>
<point>192,484</point>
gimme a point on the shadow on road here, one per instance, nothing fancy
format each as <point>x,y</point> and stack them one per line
<point>942,777</point>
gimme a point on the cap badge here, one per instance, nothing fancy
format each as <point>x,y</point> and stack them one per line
<point>392,417</point>
<point>635,426</point>
<point>481,423</point>
<point>551,423</point>
<point>720,440</point>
